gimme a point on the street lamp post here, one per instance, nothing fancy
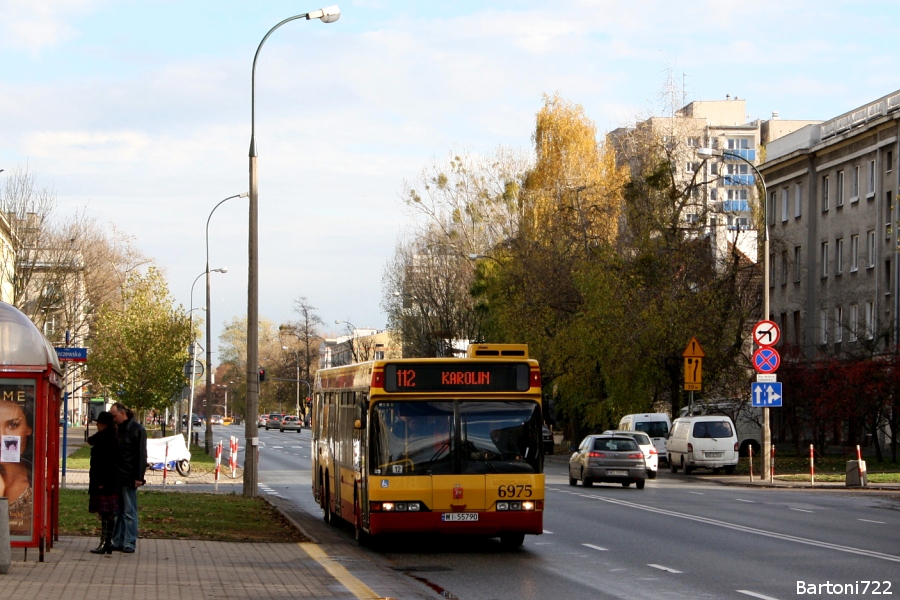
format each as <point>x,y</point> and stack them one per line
<point>352,338</point>
<point>251,431</point>
<point>192,348</point>
<point>707,153</point>
<point>208,435</point>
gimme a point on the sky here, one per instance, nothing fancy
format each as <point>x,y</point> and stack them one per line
<point>138,112</point>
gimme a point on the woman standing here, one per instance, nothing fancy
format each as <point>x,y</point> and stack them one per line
<point>103,488</point>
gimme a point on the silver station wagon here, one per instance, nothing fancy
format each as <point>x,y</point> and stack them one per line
<point>608,458</point>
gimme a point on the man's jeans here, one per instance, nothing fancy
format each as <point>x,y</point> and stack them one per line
<point>126,529</point>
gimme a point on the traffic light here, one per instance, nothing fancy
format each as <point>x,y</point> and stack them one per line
<point>262,375</point>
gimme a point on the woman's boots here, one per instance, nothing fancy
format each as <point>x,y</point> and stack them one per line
<point>106,533</point>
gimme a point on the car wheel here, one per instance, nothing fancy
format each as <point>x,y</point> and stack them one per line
<point>729,470</point>
<point>572,480</point>
<point>586,481</point>
<point>511,541</point>
<point>651,474</point>
<point>673,468</point>
<point>687,470</point>
<point>640,484</point>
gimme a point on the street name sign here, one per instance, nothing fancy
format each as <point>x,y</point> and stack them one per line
<point>71,354</point>
<point>766,395</point>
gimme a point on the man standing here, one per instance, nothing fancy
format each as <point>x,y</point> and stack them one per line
<point>132,466</point>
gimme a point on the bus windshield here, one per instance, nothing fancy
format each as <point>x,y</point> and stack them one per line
<point>465,437</point>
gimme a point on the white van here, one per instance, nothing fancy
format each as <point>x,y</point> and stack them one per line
<point>656,425</point>
<point>704,441</point>
<point>747,420</point>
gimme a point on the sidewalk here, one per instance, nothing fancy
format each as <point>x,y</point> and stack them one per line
<point>194,569</point>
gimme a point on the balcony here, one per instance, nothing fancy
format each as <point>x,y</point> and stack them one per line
<point>735,206</point>
<point>745,153</point>
<point>739,179</point>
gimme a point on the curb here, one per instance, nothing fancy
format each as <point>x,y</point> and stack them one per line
<point>313,539</point>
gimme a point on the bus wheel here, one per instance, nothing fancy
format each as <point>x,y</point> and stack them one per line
<point>511,541</point>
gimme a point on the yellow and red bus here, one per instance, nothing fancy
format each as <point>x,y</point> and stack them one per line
<point>445,445</point>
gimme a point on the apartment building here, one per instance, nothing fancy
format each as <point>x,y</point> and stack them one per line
<point>831,210</point>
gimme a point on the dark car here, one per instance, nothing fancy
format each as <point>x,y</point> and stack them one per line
<point>547,437</point>
<point>608,458</point>
<point>196,421</point>
<point>274,421</point>
<point>291,423</point>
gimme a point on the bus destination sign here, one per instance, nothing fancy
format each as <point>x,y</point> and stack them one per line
<point>461,377</point>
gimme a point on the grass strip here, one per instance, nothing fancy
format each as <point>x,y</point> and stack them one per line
<point>187,516</point>
<point>200,461</point>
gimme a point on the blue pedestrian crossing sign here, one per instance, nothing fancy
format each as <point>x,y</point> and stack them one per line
<point>766,394</point>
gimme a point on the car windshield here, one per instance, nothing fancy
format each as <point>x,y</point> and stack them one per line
<point>712,429</point>
<point>652,428</point>
<point>470,437</point>
<point>615,444</point>
<point>641,438</point>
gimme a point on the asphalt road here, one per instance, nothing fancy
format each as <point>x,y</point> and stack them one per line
<point>680,537</point>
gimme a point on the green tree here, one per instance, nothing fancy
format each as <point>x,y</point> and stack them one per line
<point>139,349</point>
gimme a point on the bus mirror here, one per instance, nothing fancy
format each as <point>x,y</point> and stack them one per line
<point>359,424</point>
<point>549,411</point>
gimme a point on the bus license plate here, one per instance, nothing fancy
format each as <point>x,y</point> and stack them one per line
<point>617,473</point>
<point>713,455</point>
<point>459,517</point>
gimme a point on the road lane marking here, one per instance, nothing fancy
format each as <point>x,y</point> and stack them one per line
<point>662,568</point>
<point>698,493</point>
<point>868,521</point>
<point>601,549</point>
<point>747,501</point>
<point>277,447</point>
<point>755,595</point>
<point>801,510</point>
<point>339,572</point>
<point>746,529</point>
<point>548,532</point>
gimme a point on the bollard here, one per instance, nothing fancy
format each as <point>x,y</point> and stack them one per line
<point>812,468</point>
<point>5,550</point>
<point>750,448</point>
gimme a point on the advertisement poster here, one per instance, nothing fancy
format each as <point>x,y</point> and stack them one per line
<point>17,454</point>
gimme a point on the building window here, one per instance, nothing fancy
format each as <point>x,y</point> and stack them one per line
<point>887,277</point>
<point>784,205</point>
<point>772,270</point>
<point>689,167</point>
<point>890,160</point>
<point>824,259</point>
<point>854,253</point>
<point>870,248</point>
<point>854,322</point>
<point>870,186</point>
<point>870,320</point>
<point>714,168</point>
<point>888,213</point>
<point>798,200</point>
<point>854,184</point>
<point>771,209</point>
<point>825,193</point>
<point>838,325</point>
<point>796,264</point>
<point>823,326</point>
<point>738,143</point>
<point>713,194</point>
<point>839,256</point>
<point>784,267</point>
<point>693,142</point>
<point>840,189</point>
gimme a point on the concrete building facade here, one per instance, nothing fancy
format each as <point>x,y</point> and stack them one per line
<point>832,211</point>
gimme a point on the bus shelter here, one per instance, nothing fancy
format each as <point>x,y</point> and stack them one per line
<point>30,384</point>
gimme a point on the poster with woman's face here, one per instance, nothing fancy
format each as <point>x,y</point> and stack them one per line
<point>16,454</point>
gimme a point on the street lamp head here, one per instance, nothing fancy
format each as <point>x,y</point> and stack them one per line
<point>706,153</point>
<point>244,195</point>
<point>219,270</point>
<point>329,14</point>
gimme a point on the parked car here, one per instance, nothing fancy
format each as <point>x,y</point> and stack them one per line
<point>655,425</point>
<point>274,421</point>
<point>547,436</point>
<point>704,441</point>
<point>651,456</point>
<point>216,419</point>
<point>608,458</point>
<point>263,419</point>
<point>291,423</point>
